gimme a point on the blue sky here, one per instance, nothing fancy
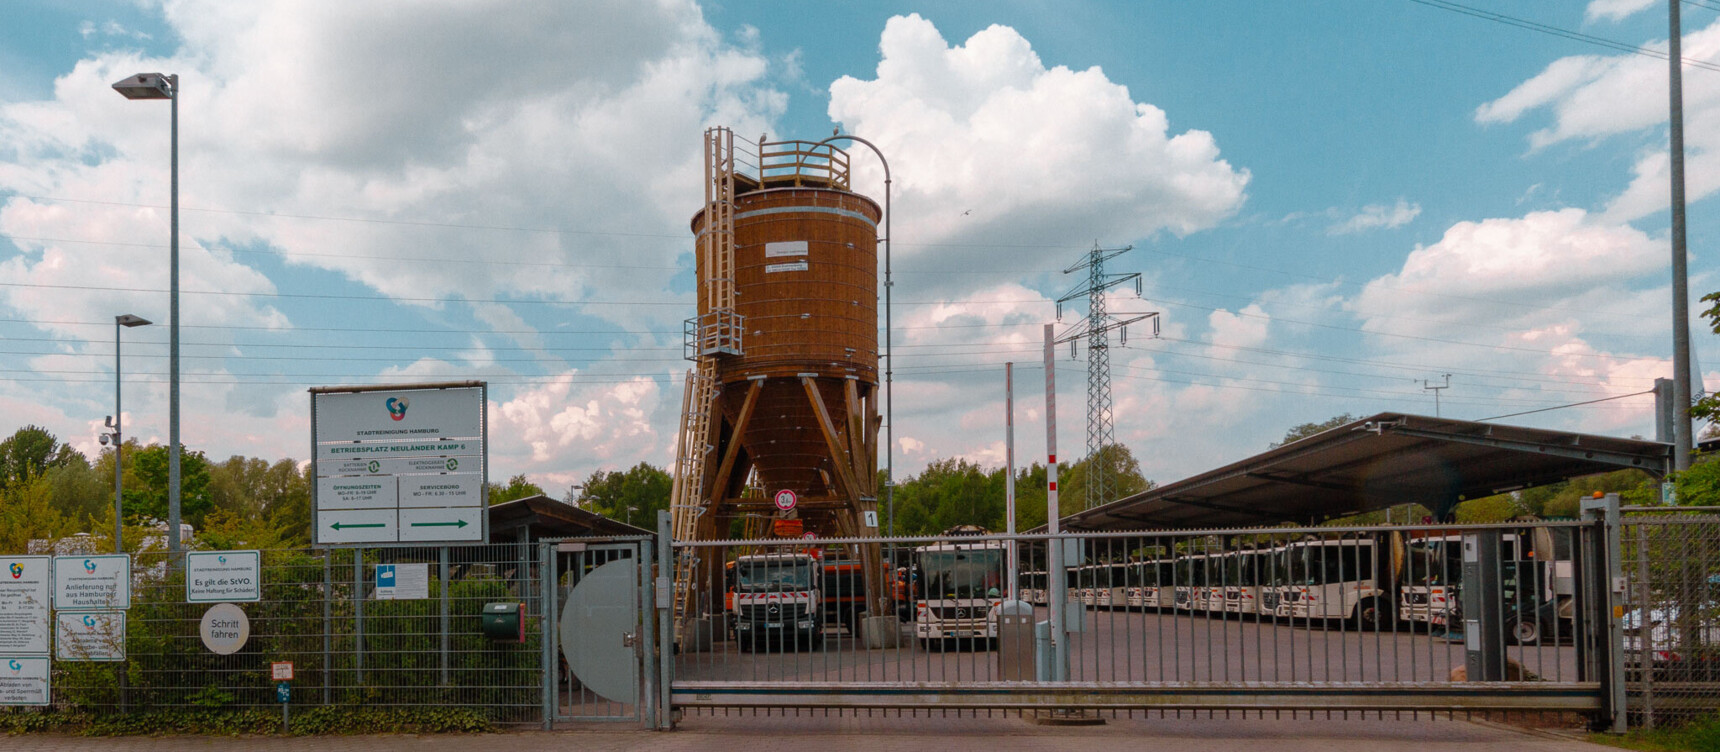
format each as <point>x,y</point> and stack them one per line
<point>1329,204</point>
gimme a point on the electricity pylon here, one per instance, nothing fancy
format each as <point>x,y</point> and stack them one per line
<point>1096,329</point>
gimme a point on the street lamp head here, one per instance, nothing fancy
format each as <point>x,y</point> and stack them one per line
<point>146,86</point>
<point>126,319</point>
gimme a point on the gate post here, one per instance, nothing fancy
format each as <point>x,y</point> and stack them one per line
<point>548,579</point>
<point>1606,579</point>
<point>664,600</point>
<point>1484,625</point>
<point>646,617</point>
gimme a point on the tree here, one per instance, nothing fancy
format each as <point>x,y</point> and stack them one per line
<point>29,452</point>
<point>1124,471</point>
<point>27,512</point>
<point>146,496</point>
<point>1708,408</point>
<point>517,488</point>
<point>633,496</point>
<point>1309,429</point>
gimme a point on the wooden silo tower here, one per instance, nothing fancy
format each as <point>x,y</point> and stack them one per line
<point>785,390</point>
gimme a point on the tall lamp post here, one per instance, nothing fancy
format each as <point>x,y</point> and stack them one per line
<point>166,86</point>
<point>889,357</point>
<point>117,437</point>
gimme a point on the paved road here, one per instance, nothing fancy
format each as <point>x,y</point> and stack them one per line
<point>1125,646</point>
<point>762,734</point>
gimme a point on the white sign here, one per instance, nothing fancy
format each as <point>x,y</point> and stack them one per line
<point>442,524</point>
<point>785,248</point>
<point>792,266</point>
<point>402,582</point>
<point>785,500</point>
<point>223,576</point>
<point>225,629</point>
<point>98,582</point>
<point>400,465</point>
<point>400,415</point>
<point>871,518</point>
<point>462,490</point>
<point>24,605</point>
<point>366,450</point>
<point>366,492</point>
<point>281,671</point>
<point>358,526</point>
<point>23,680</point>
<point>89,636</point>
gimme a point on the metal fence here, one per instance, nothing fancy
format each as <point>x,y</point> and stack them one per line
<point>1671,562</point>
<point>319,611</point>
<point>1268,621</point>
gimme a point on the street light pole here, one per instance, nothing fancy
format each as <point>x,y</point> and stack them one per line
<point>159,86</point>
<point>123,320</point>
<point>1682,443</point>
<point>889,356</point>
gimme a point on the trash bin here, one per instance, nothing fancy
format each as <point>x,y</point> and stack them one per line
<point>505,622</point>
<point>1015,641</point>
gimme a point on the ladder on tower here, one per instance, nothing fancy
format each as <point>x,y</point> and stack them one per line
<point>711,335</point>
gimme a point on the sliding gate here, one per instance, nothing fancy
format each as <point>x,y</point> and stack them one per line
<point>1375,620</point>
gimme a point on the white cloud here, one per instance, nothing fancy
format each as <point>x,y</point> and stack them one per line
<point>1614,10</point>
<point>987,144</point>
<point>1377,216</point>
<point>1592,97</point>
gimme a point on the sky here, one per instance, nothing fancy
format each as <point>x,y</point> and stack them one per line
<point>1331,206</point>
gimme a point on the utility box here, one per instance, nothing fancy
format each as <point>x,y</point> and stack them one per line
<point>505,622</point>
<point>1015,651</point>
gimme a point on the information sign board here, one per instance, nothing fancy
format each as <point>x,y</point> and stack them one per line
<point>89,636</point>
<point>98,582</point>
<point>223,576</point>
<point>281,671</point>
<point>402,582</point>
<point>400,465</point>
<point>24,680</point>
<point>24,604</point>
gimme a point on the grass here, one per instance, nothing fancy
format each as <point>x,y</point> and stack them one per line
<point>1698,736</point>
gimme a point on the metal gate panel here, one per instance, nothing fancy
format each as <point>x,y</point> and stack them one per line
<point>1346,619</point>
<point>596,625</point>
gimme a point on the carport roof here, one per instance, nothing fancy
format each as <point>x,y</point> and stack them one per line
<point>1374,463</point>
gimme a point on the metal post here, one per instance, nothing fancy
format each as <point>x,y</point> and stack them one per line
<point>118,447</point>
<point>1054,547</point>
<point>1009,477</point>
<point>665,612</point>
<point>173,336</point>
<point>445,585</point>
<point>328,616</point>
<point>1607,582</point>
<point>358,616</point>
<point>547,632</point>
<point>1680,256</point>
<point>648,637</point>
<point>1483,627</point>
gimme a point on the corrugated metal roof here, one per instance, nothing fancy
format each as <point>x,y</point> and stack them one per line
<point>1374,463</point>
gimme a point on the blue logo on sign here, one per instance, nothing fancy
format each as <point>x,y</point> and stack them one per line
<point>385,575</point>
<point>15,666</point>
<point>89,622</point>
<point>221,559</point>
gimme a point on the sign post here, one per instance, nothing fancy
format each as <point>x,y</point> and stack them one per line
<point>282,673</point>
<point>400,465</point>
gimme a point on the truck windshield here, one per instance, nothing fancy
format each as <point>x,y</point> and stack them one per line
<point>961,574</point>
<point>760,577</point>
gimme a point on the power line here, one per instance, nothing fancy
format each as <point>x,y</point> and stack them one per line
<point>1523,23</point>
<point>1573,404</point>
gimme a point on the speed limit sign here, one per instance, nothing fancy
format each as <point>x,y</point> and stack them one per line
<point>785,500</point>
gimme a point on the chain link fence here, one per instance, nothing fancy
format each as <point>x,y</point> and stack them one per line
<point>1671,564</point>
<point>319,610</point>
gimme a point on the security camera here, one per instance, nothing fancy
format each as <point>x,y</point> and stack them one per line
<point>104,439</point>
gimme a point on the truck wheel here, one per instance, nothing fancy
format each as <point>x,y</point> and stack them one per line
<point>1369,615</point>
<point>1526,632</point>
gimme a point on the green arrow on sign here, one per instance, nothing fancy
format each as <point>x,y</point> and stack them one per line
<point>340,526</point>
<point>457,523</point>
